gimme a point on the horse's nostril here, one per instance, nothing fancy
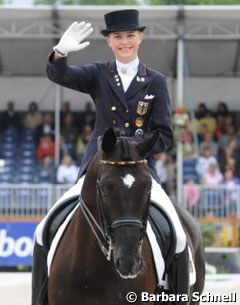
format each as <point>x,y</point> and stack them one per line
<point>138,265</point>
<point>126,266</point>
<point>118,263</point>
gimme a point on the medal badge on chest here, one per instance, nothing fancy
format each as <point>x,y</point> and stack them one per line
<point>142,108</point>
<point>139,122</point>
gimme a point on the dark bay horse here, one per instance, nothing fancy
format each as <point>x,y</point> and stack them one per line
<point>104,253</point>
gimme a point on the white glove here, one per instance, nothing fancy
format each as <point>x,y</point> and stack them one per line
<point>71,39</point>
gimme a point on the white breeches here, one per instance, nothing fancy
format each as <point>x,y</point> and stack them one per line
<point>157,195</point>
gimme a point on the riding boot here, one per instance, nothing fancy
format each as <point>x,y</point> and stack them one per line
<point>179,275</point>
<point>39,276</point>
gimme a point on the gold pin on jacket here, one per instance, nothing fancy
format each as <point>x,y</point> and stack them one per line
<point>142,108</point>
<point>139,122</point>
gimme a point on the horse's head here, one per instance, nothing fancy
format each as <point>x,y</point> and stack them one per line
<point>124,185</point>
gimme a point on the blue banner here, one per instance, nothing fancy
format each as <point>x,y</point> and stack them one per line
<point>16,243</point>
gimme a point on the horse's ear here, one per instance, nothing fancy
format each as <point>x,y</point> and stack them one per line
<point>147,144</point>
<point>109,140</point>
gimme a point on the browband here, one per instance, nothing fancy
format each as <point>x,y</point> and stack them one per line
<point>139,162</point>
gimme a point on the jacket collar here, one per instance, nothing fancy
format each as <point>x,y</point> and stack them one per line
<point>139,81</point>
<point>142,71</point>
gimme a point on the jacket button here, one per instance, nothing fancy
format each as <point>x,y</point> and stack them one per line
<point>113,108</point>
<point>114,122</point>
<point>127,110</point>
<point>126,125</point>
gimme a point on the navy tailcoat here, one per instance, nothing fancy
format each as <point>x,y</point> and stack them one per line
<point>144,107</point>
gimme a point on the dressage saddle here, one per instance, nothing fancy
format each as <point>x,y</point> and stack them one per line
<point>160,223</point>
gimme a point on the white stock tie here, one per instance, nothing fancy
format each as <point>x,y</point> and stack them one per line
<point>127,74</point>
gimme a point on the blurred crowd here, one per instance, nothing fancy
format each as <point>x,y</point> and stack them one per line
<point>211,152</point>
<point>218,144</point>
<point>211,138</point>
<point>211,142</point>
<point>75,131</point>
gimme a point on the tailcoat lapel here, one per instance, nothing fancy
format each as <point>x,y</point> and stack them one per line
<point>139,81</point>
<point>116,83</point>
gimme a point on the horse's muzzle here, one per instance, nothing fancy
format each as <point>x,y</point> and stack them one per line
<point>128,268</point>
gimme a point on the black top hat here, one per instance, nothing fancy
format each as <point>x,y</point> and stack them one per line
<point>124,20</point>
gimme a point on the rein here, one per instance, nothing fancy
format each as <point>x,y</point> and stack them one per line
<point>91,220</point>
<point>123,221</point>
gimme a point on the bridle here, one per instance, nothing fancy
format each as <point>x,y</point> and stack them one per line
<point>106,228</point>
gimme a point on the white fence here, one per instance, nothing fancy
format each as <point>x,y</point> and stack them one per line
<point>34,200</point>
<point>218,201</point>
<point>28,200</point>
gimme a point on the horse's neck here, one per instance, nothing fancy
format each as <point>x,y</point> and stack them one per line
<point>80,223</point>
<point>88,193</point>
<point>89,188</point>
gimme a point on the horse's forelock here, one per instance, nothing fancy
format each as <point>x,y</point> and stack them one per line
<point>126,152</point>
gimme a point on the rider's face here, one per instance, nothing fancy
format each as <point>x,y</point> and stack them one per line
<point>125,45</point>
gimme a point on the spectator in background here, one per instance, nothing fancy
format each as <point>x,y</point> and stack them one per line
<point>192,195</point>
<point>222,126</point>
<point>229,154</point>
<point>212,176</point>
<point>202,111</point>
<point>231,193</point>
<point>46,147</point>
<point>10,118</point>
<point>46,170</point>
<point>228,135</point>
<point>70,131</point>
<point>65,149</point>
<point>204,160</point>
<point>222,112</point>
<point>186,135</point>
<point>187,142</point>
<point>87,116</point>
<point>210,122</point>
<point>33,118</point>
<point>213,200</point>
<point>47,127</point>
<point>67,171</point>
<point>209,142</point>
<point>202,131</point>
<point>66,109</point>
<point>161,161</point>
<point>231,164</point>
<point>82,142</point>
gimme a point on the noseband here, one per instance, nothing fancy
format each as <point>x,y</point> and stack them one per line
<point>108,226</point>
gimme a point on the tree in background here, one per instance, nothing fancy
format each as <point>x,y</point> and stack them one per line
<point>107,2</point>
<point>44,2</point>
<point>127,2</point>
<point>191,2</point>
<point>135,2</point>
<point>88,2</point>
